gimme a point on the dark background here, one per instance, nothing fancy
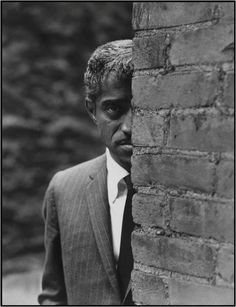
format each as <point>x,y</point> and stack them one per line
<point>45,127</point>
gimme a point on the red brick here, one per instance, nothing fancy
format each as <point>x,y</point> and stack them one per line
<point>174,254</point>
<point>228,97</point>
<point>148,15</point>
<point>148,51</point>
<point>148,129</point>
<point>225,179</point>
<point>206,219</point>
<point>180,89</point>
<point>208,45</point>
<point>147,209</point>
<point>225,263</point>
<point>148,289</point>
<point>186,293</point>
<point>195,173</point>
<point>201,130</point>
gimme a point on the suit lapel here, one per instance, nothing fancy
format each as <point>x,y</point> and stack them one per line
<point>100,219</point>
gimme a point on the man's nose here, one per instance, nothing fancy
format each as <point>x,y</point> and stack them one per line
<point>127,122</point>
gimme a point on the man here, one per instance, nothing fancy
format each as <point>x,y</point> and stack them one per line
<point>87,208</point>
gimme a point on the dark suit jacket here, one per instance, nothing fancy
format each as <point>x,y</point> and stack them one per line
<point>79,266</point>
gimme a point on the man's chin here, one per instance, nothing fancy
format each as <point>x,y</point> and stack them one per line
<point>125,160</point>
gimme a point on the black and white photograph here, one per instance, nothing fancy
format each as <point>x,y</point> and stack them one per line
<point>118,153</point>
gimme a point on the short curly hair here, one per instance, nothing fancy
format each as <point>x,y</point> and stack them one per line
<point>113,57</point>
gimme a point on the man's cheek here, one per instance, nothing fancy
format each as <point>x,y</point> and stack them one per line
<point>104,133</point>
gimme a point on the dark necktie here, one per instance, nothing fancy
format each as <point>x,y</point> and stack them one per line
<point>125,262</point>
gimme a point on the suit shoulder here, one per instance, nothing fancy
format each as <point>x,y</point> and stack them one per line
<point>87,167</point>
<point>79,173</point>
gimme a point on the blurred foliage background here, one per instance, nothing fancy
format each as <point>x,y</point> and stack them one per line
<point>45,128</point>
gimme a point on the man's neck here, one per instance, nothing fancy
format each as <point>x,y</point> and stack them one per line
<point>126,166</point>
<point>113,164</point>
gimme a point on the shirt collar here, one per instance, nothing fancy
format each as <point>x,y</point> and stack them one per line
<point>115,173</point>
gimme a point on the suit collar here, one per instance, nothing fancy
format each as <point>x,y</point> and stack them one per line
<point>100,218</point>
<point>115,174</point>
<point>98,165</point>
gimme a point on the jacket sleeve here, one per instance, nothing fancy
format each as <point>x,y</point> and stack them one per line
<point>53,285</point>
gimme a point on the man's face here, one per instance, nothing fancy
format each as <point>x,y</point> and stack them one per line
<point>113,118</point>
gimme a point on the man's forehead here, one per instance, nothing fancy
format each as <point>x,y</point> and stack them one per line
<point>113,79</point>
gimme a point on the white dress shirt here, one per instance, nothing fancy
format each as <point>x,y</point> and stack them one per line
<point>117,194</point>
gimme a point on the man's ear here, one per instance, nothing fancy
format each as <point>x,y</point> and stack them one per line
<point>91,109</point>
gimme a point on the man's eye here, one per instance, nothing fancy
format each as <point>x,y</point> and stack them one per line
<point>113,109</point>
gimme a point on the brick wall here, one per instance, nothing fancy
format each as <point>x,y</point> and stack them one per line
<point>183,161</point>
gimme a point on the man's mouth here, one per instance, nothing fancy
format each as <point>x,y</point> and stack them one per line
<point>125,142</point>
<point>126,146</point>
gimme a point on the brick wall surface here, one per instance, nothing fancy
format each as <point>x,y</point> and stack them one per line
<point>183,160</point>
